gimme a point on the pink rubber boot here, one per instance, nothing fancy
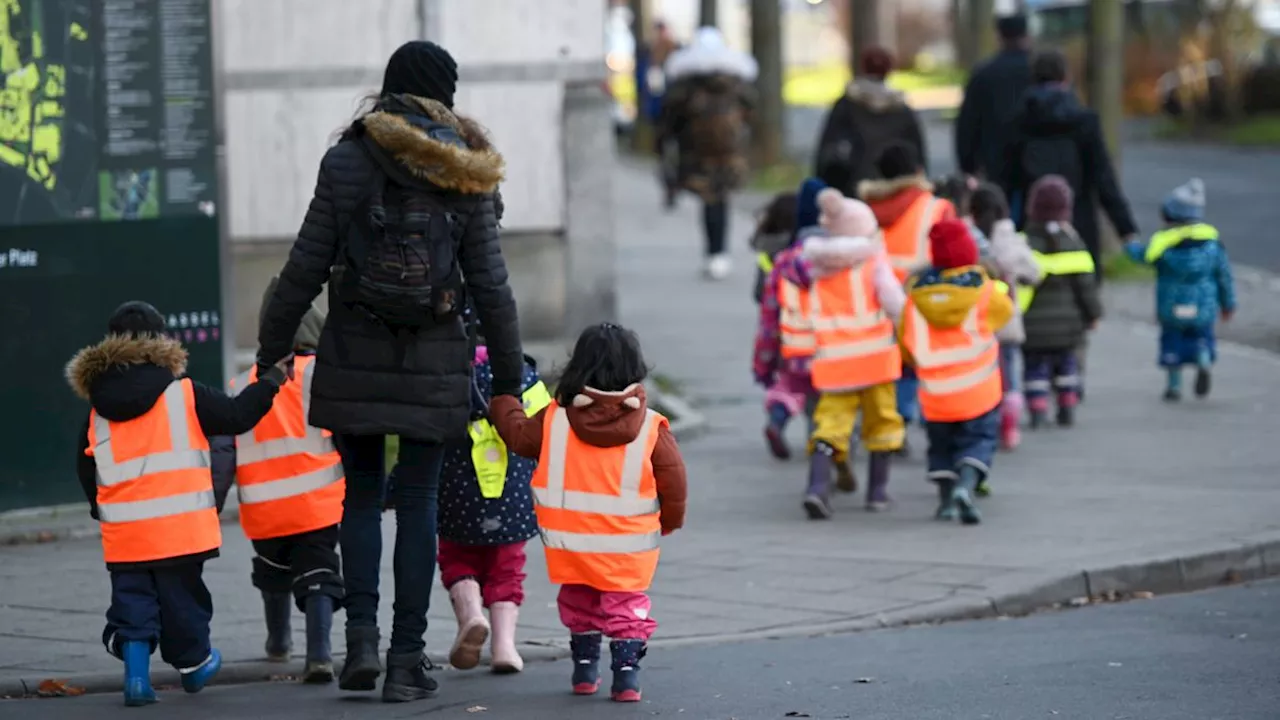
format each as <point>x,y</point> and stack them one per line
<point>1010,421</point>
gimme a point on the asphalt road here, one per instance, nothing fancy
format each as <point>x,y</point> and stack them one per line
<point>1208,656</point>
<point>1240,183</point>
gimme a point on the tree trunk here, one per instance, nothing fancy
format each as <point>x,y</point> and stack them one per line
<point>766,45</point>
<point>708,13</point>
<point>961,37</point>
<point>1105,68</point>
<point>1105,82</point>
<point>982,25</point>
<point>874,25</point>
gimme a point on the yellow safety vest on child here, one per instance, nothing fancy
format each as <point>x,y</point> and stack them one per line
<point>489,453</point>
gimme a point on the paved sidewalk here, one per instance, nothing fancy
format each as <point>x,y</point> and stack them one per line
<point>1136,483</point>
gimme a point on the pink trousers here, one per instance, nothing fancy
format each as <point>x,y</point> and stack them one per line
<point>616,615</point>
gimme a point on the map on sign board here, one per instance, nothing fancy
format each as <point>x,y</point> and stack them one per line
<point>105,110</point>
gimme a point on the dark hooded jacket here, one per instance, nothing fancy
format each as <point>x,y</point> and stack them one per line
<point>1064,306</point>
<point>371,379</point>
<point>122,378</point>
<point>861,124</point>
<point>1054,112</point>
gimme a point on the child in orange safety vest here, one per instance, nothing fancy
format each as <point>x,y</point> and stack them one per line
<point>150,473</point>
<point>854,299</point>
<point>948,327</point>
<point>290,483</point>
<point>610,481</point>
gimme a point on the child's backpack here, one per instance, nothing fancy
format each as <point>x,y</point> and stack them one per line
<point>401,257</point>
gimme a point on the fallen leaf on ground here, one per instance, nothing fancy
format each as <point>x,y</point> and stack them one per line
<point>57,688</point>
<point>476,708</point>
<point>864,681</point>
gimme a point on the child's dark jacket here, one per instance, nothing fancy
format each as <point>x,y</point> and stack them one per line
<point>123,377</point>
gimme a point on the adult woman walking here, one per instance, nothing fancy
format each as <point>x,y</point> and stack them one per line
<point>404,227</point>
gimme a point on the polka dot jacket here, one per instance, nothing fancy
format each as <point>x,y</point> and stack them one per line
<point>466,516</point>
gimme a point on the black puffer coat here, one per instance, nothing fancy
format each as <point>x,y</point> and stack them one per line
<point>369,379</point>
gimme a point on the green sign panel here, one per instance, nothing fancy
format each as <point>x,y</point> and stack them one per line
<point>108,189</point>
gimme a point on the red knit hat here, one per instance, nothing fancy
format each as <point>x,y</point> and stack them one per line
<point>952,245</point>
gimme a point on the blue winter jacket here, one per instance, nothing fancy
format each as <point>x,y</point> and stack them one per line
<point>1193,281</point>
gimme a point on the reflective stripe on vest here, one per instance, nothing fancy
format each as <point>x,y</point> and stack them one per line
<point>488,451</point>
<point>1071,262</point>
<point>289,476</point>
<point>764,262</point>
<point>627,503</point>
<point>795,323</point>
<point>856,344</point>
<point>159,502</point>
<point>906,257</point>
<point>1164,240</point>
<point>180,457</point>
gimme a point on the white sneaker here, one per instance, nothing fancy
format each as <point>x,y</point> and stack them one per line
<point>718,267</point>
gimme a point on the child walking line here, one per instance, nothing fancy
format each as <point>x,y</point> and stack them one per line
<point>610,481</point>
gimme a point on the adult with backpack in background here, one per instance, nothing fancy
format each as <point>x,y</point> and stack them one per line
<point>990,97</point>
<point>404,228</point>
<point>868,118</point>
<point>1052,133</point>
<point>706,116</point>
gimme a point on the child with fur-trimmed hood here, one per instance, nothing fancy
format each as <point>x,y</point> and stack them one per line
<point>157,501</point>
<point>851,246</point>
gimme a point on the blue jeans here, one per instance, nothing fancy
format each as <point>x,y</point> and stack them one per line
<point>165,606</point>
<point>969,442</point>
<point>908,389</point>
<point>414,563</point>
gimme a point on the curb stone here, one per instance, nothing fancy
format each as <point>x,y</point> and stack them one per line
<point>686,421</point>
<point>1236,562</point>
<point>232,673</point>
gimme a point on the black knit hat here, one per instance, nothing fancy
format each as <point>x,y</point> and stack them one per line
<point>1012,27</point>
<point>136,318</point>
<point>899,160</point>
<point>421,68</point>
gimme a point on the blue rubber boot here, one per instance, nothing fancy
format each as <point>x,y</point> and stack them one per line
<point>586,663</point>
<point>817,495</point>
<point>946,511</point>
<point>194,681</point>
<point>963,495</point>
<point>626,670</point>
<point>137,673</point>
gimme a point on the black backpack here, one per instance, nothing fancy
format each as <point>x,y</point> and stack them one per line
<point>1052,155</point>
<point>401,257</point>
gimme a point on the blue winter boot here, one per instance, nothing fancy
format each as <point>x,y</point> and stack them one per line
<point>137,673</point>
<point>963,495</point>
<point>817,496</point>
<point>319,667</point>
<point>586,659</point>
<point>626,669</point>
<point>946,511</point>
<point>194,680</point>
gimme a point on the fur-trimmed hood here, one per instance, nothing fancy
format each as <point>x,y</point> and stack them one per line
<point>434,144</point>
<point>834,253</point>
<point>875,96</point>
<point>121,351</point>
<point>709,55</point>
<point>891,199</point>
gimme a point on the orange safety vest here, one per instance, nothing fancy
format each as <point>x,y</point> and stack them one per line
<point>795,327</point>
<point>856,344</point>
<point>959,367</point>
<point>289,476</point>
<point>907,240</point>
<point>598,507</point>
<point>155,488</point>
